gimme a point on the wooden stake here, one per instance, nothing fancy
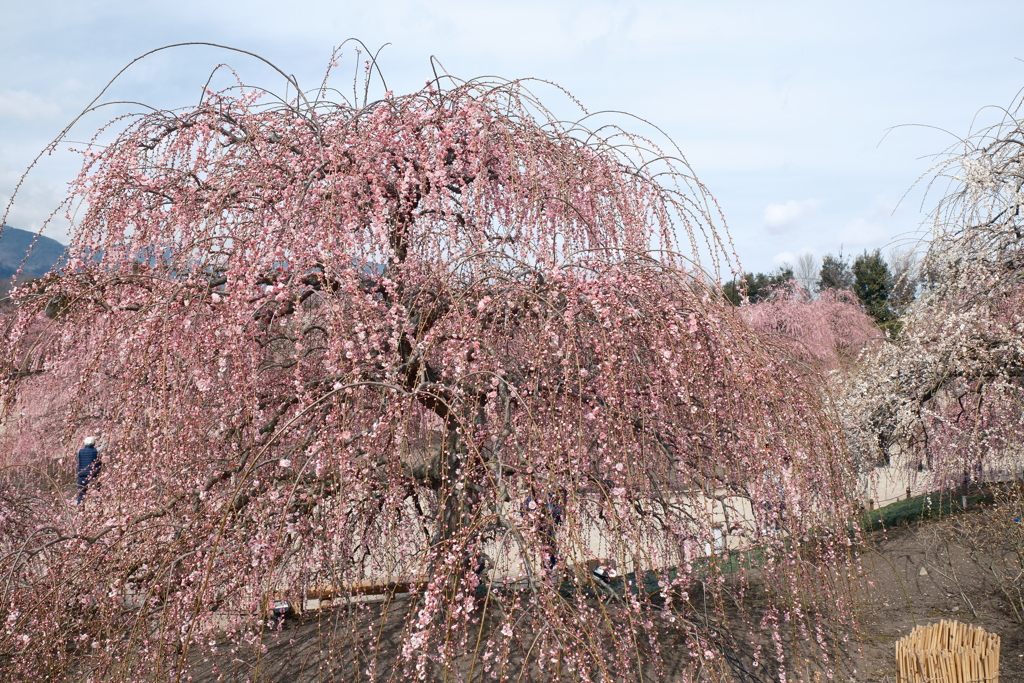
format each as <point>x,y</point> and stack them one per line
<point>948,652</point>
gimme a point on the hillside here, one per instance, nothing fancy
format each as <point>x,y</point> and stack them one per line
<point>15,243</point>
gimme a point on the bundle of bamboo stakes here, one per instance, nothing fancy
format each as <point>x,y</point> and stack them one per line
<point>948,652</point>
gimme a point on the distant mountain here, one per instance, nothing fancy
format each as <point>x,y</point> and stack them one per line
<point>14,244</point>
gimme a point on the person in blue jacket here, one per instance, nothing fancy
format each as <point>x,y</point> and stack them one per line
<point>88,467</point>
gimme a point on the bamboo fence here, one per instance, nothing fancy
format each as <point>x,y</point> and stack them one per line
<point>948,652</point>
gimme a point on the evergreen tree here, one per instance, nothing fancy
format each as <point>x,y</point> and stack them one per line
<point>835,273</point>
<point>872,285</point>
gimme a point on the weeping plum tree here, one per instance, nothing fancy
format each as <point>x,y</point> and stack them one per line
<point>441,341</point>
<point>822,334</point>
<point>949,391</point>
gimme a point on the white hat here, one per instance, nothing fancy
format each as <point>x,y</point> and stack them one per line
<point>90,440</point>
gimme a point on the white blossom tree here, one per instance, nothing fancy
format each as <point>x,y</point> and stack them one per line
<point>948,390</point>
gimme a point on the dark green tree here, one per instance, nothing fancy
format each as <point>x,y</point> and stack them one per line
<point>758,285</point>
<point>835,273</point>
<point>873,284</point>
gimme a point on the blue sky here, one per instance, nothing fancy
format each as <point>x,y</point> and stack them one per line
<point>780,108</point>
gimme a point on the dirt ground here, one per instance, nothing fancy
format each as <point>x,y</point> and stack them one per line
<point>914,574</point>
<point>920,574</point>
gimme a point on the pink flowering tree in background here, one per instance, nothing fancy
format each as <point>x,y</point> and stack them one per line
<point>827,339</point>
<point>441,341</point>
<point>948,391</point>
<point>826,333</point>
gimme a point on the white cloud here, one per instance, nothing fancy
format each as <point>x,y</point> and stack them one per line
<point>22,104</point>
<point>883,223</point>
<point>785,258</point>
<point>781,217</point>
<point>804,263</point>
<point>35,204</point>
